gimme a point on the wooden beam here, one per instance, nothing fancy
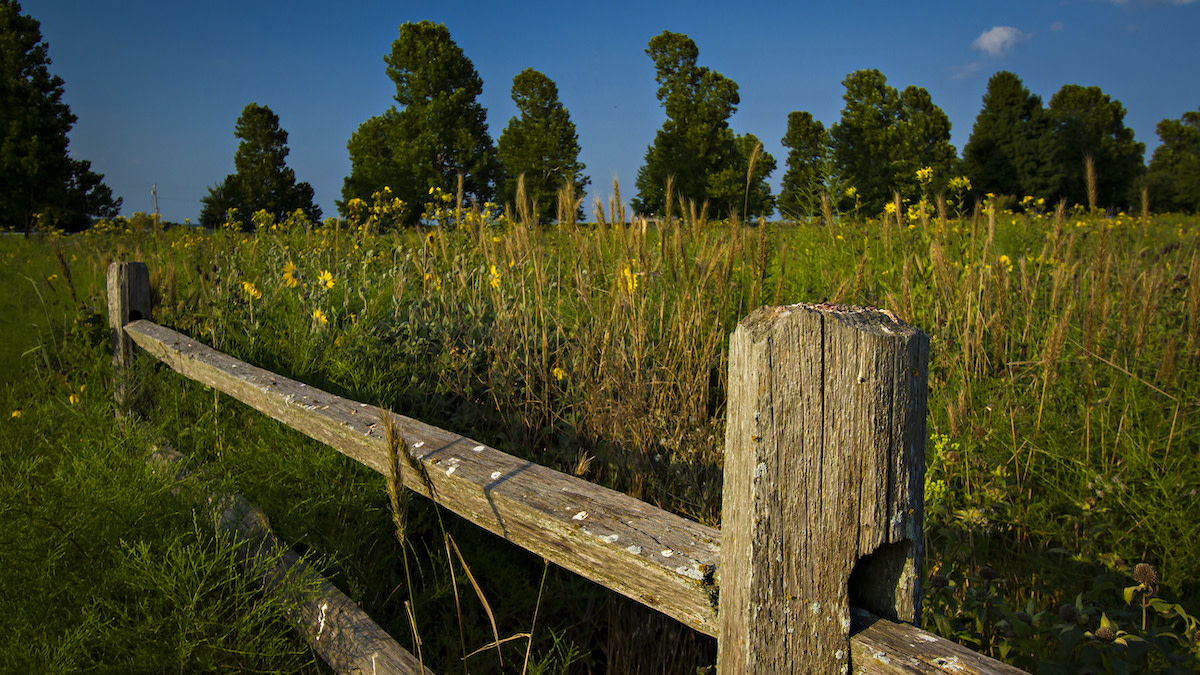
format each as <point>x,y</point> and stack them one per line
<point>657,558</point>
<point>645,553</point>
<point>824,471</point>
<point>128,300</point>
<point>338,630</point>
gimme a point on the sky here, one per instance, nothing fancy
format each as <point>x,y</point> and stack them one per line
<point>158,86</point>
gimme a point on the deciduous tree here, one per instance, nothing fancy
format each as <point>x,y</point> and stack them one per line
<point>37,175</point>
<point>695,148</point>
<point>1174,177</point>
<point>540,144</point>
<point>884,136</point>
<point>438,131</point>
<point>262,180</point>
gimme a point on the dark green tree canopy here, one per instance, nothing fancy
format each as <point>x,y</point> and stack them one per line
<point>438,132</point>
<point>262,178</point>
<point>1010,150</point>
<point>884,136</point>
<point>37,176</point>
<point>809,165</point>
<point>695,148</point>
<point>541,145</point>
<point>1174,177</point>
<point>1085,122</point>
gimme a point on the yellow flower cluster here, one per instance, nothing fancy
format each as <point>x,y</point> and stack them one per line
<point>325,279</point>
<point>628,281</point>
<point>251,290</point>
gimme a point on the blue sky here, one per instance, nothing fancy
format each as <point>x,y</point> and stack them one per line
<point>158,86</point>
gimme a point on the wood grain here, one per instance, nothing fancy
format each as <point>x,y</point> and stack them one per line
<point>659,559</point>
<point>819,474</point>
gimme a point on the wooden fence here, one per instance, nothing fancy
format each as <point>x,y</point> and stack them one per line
<point>817,566</point>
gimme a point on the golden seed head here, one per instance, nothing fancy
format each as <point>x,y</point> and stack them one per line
<point>1145,574</point>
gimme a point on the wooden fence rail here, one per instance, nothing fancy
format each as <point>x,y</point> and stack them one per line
<point>822,498</point>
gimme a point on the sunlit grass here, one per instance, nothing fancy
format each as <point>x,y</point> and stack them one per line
<point>1063,409</point>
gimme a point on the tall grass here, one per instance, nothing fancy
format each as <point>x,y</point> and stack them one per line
<point>1063,406</point>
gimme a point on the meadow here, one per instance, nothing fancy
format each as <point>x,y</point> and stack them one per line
<point>1064,420</point>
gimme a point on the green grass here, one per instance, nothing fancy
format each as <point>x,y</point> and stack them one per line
<point>1063,409</point>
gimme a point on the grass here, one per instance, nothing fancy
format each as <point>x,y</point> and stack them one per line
<point>1064,414</point>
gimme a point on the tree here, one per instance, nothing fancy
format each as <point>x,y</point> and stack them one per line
<point>884,136</point>
<point>37,176</point>
<point>695,149</point>
<point>438,132</point>
<point>540,145</point>
<point>1010,150</point>
<point>1085,122</point>
<point>809,165</point>
<point>1174,176</point>
<point>262,181</point>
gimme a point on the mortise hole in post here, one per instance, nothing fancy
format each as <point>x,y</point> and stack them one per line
<point>886,582</point>
<point>135,315</point>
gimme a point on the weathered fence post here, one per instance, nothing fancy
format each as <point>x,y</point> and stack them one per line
<point>824,484</point>
<point>128,300</point>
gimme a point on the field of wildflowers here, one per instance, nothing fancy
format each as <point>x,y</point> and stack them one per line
<point>1064,401</point>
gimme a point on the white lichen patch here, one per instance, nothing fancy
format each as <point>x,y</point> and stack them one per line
<point>579,516</point>
<point>478,448</point>
<point>452,469</point>
<point>495,475</point>
<point>418,444</point>
<point>609,538</point>
<point>760,471</point>
<point>667,553</point>
<point>635,549</point>
<point>690,572</point>
<point>815,608</point>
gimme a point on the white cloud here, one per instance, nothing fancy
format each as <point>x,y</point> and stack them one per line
<point>1057,26</point>
<point>998,40</point>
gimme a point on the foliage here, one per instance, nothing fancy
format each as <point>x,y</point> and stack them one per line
<point>1174,176</point>
<point>885,135</point>
<point>1062,415</point>
<point>262,181</point>
<point>695,157</point>
<point>1087,123</point>
<point>1010,151</point>
<point>809,166</point>
<point>541,145</point>
<point>39,180</point>
<point>439,131</point>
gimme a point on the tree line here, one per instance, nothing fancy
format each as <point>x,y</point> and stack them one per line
<point>436,137</point>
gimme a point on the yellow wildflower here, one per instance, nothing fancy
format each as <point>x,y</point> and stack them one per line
<point>74,398</point>
<point>319,317</point>
<point>925,175</point>
<point>628,281</point>
<point>325,279</point>
<point>251,290</point>
<point>289,275</point>
<point>495,280</point>
<point>558,373</point>
<point>17,413</point>
<point>890,208</point>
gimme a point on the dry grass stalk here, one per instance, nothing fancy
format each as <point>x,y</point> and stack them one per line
<point>1089,170</point>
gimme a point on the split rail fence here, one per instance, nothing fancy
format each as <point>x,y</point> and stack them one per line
<point>816,567</point>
